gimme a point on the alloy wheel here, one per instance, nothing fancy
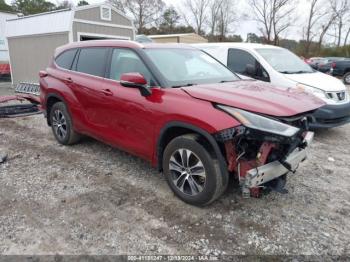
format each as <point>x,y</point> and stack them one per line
<point>59,124</point>
<point>187,172</point>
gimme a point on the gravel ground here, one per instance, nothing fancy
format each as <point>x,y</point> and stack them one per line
<point>93,199</point>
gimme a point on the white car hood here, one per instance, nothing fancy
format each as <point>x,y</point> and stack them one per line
<point>319,80</point>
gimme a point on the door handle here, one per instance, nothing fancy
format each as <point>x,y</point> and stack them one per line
<point>69,80</point>
<point>107,92</point>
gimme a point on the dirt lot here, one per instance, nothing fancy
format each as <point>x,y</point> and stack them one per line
<point>93,199</point>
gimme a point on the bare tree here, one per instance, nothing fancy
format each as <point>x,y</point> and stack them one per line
<point>263,15</point>
<point>226,17</point>
<point>347,35</point>
<point>196,14</point>
<point>144,12</point>
<point>341,9</point>
<point>315,15</point>
<point>282,17</point>
<point>119,4</point>
<point>214,9</point>
<point>275,16</point>
<point>325,26</point>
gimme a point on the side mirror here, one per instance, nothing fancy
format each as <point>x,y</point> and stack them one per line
<point>135,80</point>
<point>250,70</point>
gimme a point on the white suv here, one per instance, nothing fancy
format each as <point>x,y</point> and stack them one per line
<point>284,69</point>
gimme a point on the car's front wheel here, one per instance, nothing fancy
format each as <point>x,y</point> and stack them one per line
<point>62,126</point>
<point>192,172</point>
<point>347,78</point>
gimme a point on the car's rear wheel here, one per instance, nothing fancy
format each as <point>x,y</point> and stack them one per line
<point>192,172</point>
<point>62,126</point>
<point>347,78</point>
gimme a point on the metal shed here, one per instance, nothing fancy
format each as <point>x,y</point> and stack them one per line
<point>190,38</point>
<point>33,39</point>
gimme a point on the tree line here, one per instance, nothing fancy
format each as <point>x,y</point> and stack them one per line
<point>30,7</point>
<point>217,19</point>
<point>324,27</point>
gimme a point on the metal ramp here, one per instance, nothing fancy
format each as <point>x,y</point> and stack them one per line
<point>28,88</point>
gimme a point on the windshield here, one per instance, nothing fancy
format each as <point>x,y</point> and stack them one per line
<point>181,67</point>
<point>284,61</point>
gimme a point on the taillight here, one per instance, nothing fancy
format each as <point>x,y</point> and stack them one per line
<point>334,65</point>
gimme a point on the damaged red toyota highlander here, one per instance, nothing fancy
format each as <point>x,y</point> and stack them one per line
<point>180,109</point>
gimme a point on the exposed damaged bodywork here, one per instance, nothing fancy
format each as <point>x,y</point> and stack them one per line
<point>260,159</point>
<point>29,102</point>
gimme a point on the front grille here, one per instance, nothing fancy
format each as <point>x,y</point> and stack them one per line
<point>337,96</point>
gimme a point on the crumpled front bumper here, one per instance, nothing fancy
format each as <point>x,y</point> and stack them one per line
<point>257,176</point>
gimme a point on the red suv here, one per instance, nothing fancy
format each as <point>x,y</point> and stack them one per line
<point>180,109</point>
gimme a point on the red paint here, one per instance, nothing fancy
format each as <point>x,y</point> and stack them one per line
<point>135,78</point>
<point>120,116</point>
<point>257,97</point>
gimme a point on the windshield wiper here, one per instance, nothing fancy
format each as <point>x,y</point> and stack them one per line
<point>294,72</point>
<point>302,72</point>
<point>286,72</point>
<point>189,84</point>
<point>227,81</point>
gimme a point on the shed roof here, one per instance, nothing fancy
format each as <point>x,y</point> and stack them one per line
<point>48,22</point>
<point>172,35</point>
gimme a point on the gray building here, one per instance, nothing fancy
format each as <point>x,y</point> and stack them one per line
<point>33,39</point>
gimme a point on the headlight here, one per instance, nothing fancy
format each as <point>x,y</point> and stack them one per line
<point>312,90</point>
<point>261,123</point>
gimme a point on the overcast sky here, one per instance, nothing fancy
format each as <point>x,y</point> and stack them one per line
<point>243,26</point>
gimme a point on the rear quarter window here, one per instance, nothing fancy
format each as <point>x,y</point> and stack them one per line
<point>65,59</point>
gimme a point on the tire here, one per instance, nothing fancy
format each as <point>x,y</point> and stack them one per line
<point>62,125</point>
<point>347,78</point>
<point>199,182</point>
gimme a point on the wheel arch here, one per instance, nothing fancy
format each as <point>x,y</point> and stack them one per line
<point>51,99</point>
<point>175,129</point>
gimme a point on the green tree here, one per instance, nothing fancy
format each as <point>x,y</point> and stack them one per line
<point>82,3</point>
<point>253,38</point>
<point>29,7</point>
<point>234,38</point>
<point>169,20</point>
<point>5,7</point>
<point>65,4</point>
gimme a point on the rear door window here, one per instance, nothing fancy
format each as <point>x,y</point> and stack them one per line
<point>92,61</point>
<point>65,59</point>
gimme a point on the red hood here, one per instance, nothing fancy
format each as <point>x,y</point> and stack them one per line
<point>256,96</point>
